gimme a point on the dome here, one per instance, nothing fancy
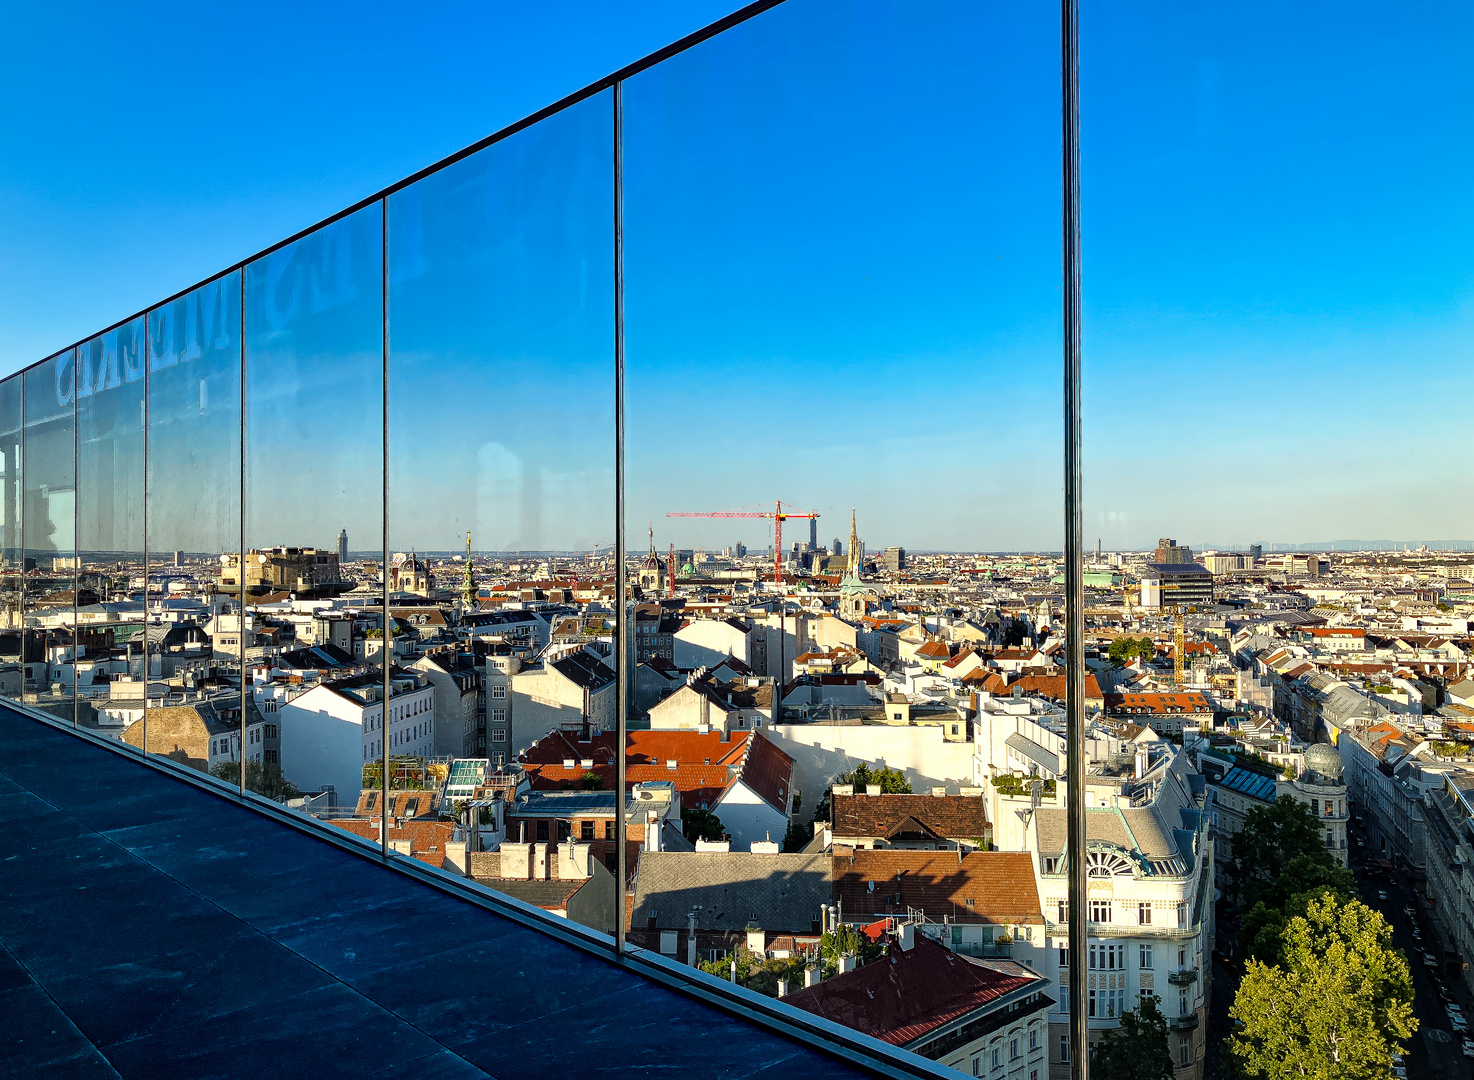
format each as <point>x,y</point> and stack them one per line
<point>1323,758</point>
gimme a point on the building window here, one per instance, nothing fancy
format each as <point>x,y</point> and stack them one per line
<point>997,1057</point>
<point>499,716</point>
<point>1185,1050</point>
<point>1100,911</point>
<point>499,735</point>
<point>1091,1013</point>
<point>1013,1048</point>
<point>542,830</point>
<point>1064,911</point>
<point>586,830</point>
<point>1146,958</point>
<point>1064,1048</point>
<point>1144,913</point>
<point>271,756</point>
<point>1033,1039</point>
<point>498,691</point>
<point>608,830</point>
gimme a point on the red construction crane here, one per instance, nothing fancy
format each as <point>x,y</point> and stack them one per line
<point>777,515</point>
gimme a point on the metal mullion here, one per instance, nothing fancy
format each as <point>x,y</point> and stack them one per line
<point>384,511</point>
<point>76,548</point>
<point>621,617</point>
<point>1074,557</point>
<point>146,659</point>
<point>241,560</point>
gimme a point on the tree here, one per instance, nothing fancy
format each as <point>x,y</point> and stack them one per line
<point>1272,837</point>
<point>698,824</point>
<point>1303,879</point>
<point>846,941</point>
<point>891,781</point>
<point>1336,1008</point>
<point>1125,649</point>
<point>1137,1050</point>
<point>263,780</point>
<point>591,782</point>
<point>757,973</point>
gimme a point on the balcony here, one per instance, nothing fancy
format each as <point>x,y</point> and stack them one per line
<point>167,926</point>
<point>1183,976</point>
<point>1188,1022</point>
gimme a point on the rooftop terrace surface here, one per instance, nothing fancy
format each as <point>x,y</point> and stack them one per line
<point>149,928</point>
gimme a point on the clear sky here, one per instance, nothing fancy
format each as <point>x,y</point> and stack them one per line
<point>841,264</point>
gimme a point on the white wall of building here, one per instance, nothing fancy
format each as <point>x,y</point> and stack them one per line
<point>821,752</point>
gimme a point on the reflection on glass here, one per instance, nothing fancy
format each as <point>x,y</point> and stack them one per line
<point>194,497</point>
<point>311,575</point>
<point>119,667</point>
<point>501,436</point>
<point>841,292</point>
<point>48,535</point>
<point>10,539</point>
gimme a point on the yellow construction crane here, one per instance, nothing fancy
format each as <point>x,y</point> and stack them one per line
<point>1179,646</point>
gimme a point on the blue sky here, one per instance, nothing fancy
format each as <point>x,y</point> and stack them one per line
<point>842,250</point>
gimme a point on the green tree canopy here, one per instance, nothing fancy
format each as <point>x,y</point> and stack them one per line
<point>757,973</point>
<point>1303,879</point>
<point>1271,838</point>
<point>1336,1008</point>
<point>1137,1050</point>
<point>698,824</point>
<point>1125,649</point>
<point>891,781</point>
<point>846,941</point>
<point>591,781</point>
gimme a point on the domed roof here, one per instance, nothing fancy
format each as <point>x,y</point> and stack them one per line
<point>1323,758</point>
<point>653,562</point>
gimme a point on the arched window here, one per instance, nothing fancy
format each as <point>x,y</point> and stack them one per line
<point>1100,864</point>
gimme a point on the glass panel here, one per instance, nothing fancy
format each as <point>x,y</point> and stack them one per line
<point>49,537</point>
<point>1276,236</point>
<point>10,539</point>
<point>842,292</point>
<point>314,506</point>
<point>194,501</point>
<point>118,664</point>
<point>501,436</point>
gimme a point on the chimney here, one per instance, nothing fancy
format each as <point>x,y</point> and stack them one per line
<point>540,862</point>
<point>782,985</point>
<point>652,831</point>
<point>872,789</point>
<point>908,937</point>
<point>848,963</point>
<point>1141,762</point>
<point>812,975</point>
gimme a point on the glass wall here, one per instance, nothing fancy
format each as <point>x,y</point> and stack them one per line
<point>117,645</point>
<point>48,533</point>
<point>340,525</point>
<point>313,573</point>
<point>194,522</point>
<point>843,468</point>
<point>501,490</point>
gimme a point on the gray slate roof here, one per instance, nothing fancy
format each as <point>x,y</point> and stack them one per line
<point>783,892</point>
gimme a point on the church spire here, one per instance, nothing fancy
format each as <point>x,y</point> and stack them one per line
<point>468,586</point>
<point>853,567</point>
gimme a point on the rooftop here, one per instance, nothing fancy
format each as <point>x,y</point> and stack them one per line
<point>169,928</point>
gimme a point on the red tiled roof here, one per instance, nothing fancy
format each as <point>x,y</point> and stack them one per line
<point>908,994</point>
<point>427,838</point>
<point>956,817</point>
<point>1136,704</point>
<point>1000,885</point>
<point>1047,686</point>
<point>706,766</point>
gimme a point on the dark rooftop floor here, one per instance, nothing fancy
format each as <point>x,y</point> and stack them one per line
<point>149,928</point>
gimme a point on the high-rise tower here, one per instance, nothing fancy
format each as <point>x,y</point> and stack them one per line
<point>342,546</point>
